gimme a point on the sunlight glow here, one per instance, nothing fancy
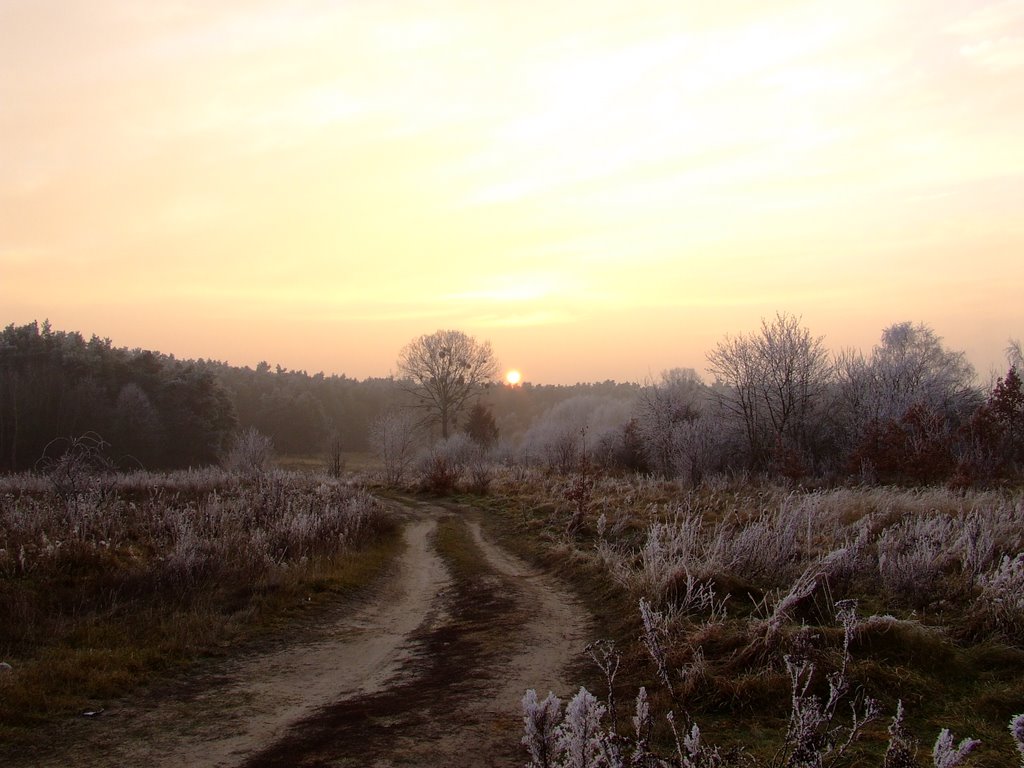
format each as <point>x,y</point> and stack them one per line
<point>513,377</point>
<point>625,182</point>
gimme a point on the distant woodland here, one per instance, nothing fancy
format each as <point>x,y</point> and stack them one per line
<point>157,412</point>
<point>779,404</point>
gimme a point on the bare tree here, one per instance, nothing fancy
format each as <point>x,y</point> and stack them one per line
<point>444,371</point>
<point>771,382</point>
<point>393,438</point>
<point>1015,355</point>
<point>665,411</point>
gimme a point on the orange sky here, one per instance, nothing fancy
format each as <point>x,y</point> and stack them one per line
<point>602,190</point>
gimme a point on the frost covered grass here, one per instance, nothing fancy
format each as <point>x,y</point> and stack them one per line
<point>738,575</point>
<point>135,574</point>
<point>821,729</point>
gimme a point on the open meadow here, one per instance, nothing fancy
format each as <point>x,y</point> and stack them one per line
<point>108,581</point>
<point>778,626</point>
<point>782,623</point>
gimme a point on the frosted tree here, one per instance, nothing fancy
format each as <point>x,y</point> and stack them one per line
<point>393,438</point>
<point>666,413</point>
<point>771,382</point>
<point>910,367</point>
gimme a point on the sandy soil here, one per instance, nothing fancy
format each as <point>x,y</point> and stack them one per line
<point>428,673</point>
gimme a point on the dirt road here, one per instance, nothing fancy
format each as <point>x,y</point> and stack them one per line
<point>429,672</point>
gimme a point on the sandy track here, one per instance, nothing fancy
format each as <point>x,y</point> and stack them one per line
<point>428,673</point>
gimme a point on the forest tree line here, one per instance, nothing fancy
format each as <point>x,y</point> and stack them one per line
<point>778,403</point>
<point>156,411</point>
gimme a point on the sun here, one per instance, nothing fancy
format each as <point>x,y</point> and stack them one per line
<point>513,377</point>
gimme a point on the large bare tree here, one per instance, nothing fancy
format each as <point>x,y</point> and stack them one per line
<point>444,371</point>
<point>771,382</point>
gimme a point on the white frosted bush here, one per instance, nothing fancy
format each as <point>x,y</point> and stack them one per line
<point>902,749</point>
<point>765,548</point>
<point>394,439</point>
<point>251,454</point>
<point>1002,593</point>
<point>913,554</point>
<point>1017,732</point>
<point>540,723</point>
<point>669,551</point>
<point>580,736</point>
<point>946,754</point>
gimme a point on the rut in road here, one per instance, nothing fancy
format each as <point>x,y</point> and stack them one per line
<point>428,673</point>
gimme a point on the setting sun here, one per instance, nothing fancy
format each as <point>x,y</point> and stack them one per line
<point>513,377</point>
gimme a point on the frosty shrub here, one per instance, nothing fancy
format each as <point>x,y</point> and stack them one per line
<point>555,439</point>
<point>540,723</point>
<point>1017,733</point>
<point>251,454</point>
<point>913,555</point>
<point>1003,596</point>
<point>669,551</point>
<point>902,749</point>
<point>77,467</point>
<point>480,473</point>
<point>442,465</point>
<point>576,739</point>
<point>946,754</point>
<point>767,548</point>
<point>581,737</point>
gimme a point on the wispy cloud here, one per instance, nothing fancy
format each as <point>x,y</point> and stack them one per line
<point>1000,56</point>
<point>524,320</point>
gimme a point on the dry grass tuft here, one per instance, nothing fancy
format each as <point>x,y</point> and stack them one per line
<point>98,591</point>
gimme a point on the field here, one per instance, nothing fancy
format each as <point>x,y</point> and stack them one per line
<point>746,607</point>
<point>110,581</point>
<point>779,626</point>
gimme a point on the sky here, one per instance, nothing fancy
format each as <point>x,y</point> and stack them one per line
<point>603,190</point>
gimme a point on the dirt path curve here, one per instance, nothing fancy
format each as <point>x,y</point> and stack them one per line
<point>428,673</point>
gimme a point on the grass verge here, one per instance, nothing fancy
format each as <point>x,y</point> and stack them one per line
<point>91,618</point>
<point>740,696</point>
